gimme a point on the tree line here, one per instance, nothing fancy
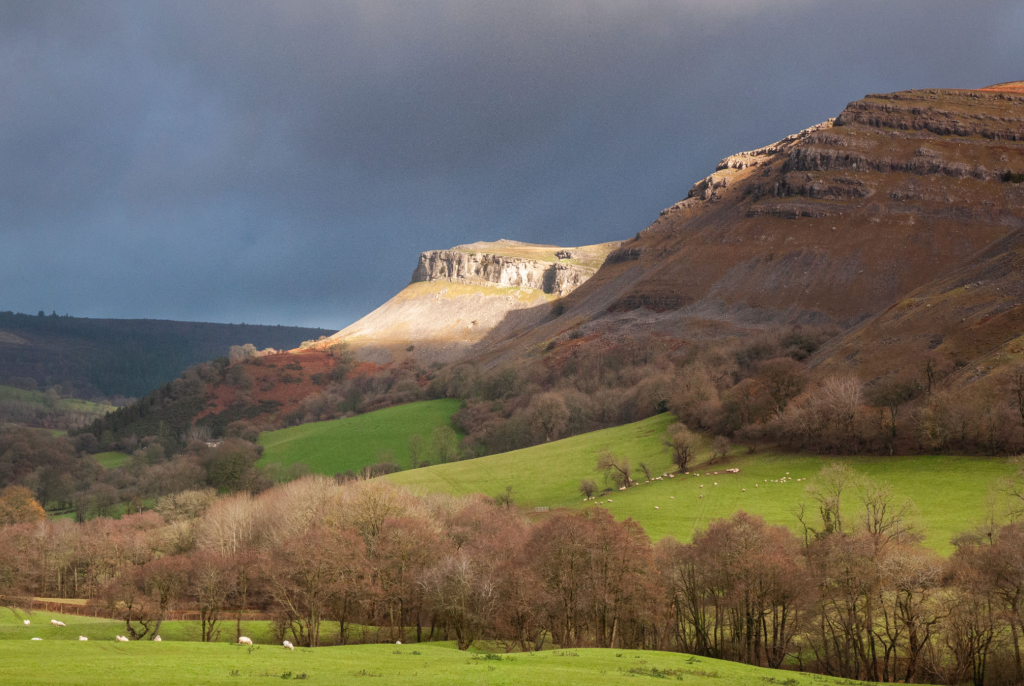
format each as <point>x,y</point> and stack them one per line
<point>853,595</point>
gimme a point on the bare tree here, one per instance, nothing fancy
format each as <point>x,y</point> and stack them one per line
<point>210,585</point>
<point>681,441</point>
<point>883,517</point>
<point>890,394</point>
<point>446,444</point>
<point>616,469</point>
<point>504,499</point>
<point>417,449</point>
<point>588,488</point>
<point>827,492</point>
<point>720,448</point>
<point>646,470</point>
<point>1015,379</point>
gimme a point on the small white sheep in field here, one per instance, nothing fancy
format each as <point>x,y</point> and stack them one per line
<point>244,640</point>
<point>82,638</point>
<point>157,639</point>
<point>27,622</point>
<point>56,623</point>
<point>37,639</point>
<point>288,645</point>
<point>398,643</point>
<point>655,507</point>
<point>121,639</point>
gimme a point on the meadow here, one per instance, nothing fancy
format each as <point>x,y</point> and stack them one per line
<point>349,444</point>
<point>174,662</point>
<point>111,460</point>
<point>950,493</point>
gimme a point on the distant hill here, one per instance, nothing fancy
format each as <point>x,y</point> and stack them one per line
<point>127,357</point>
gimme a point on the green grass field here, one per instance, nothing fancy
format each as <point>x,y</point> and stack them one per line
<point>67,404</point>
<point>62,659</point>
<point>340,445</point>
<point>112,459</point>
<point>949,492</point>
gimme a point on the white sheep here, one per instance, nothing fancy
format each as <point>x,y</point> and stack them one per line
<point>56,623</point>
<point>398,643</point>
<point>37,639</point>
<point>82,638</point>
<point>244,640</point>
<point>288,645</point>
<point>121,639</point>
<point>157,639</point>
<point>27,622</point>
<point>655,507</point>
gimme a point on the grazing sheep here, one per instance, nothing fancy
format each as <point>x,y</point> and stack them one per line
<point>56,623</point>
<point>244,640</point>
<point>288,645</point>
<point>37,639</point>
<point>121,639</point>
<point>655,507</point>
<point>157,639</point>
<point>27,622</point>
<point>672,497</point>
<point>398,643</point>
<point>82,638</point>
<point>744,490</point>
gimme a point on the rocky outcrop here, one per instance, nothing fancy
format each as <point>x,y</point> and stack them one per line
<point>555,278</point>
<point>950,115</point>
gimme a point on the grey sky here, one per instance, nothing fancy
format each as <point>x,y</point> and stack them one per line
<point>285,162</point>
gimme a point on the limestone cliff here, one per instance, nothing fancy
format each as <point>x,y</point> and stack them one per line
<point>463,298</point>
<point>459,266</point>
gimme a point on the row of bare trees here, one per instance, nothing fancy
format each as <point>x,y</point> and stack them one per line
<point>855,596</point>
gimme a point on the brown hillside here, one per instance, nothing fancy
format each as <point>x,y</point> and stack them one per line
<point>277,382</point>
<point>833,224</point>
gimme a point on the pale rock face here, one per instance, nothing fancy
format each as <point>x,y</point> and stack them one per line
<point>482,268</point>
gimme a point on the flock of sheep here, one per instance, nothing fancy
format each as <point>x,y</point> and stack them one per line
<point>242,640</point>
<point>733,470</point>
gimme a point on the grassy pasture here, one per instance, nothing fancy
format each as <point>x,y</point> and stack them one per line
<point>102,629</point>
<point>73,663</point>
<point>949,492</point>
<point>339,445</point>
<point>112,459</point>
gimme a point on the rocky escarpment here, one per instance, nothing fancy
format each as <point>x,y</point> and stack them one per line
<point>871,204</point>
<point>479,268</point>
<point>463,299</point>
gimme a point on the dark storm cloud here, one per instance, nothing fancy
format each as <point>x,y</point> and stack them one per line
<point>285,162</point>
